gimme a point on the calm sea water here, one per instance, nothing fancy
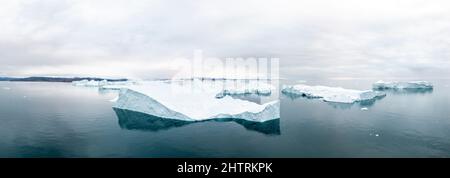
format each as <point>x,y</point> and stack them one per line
<point>60,120</point>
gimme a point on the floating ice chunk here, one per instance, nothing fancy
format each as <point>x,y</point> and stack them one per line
<point>114,99</point>
<point>380,85</point>
<point>157,99</point>
<point>332,94</point>
<point>364,109</point>
<point>242,88</point>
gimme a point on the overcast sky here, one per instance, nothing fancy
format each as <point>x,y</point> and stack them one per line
<point>313,39</point>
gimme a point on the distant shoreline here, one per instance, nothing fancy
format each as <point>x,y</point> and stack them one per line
<point>57,79</point>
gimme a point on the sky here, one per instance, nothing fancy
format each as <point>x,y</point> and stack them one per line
<point>320,39</point>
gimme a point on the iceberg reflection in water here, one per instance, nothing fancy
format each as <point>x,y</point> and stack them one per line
<point>132,120</point>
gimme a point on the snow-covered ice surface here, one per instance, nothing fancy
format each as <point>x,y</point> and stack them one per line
<point>192,102</point>
<point>332,94</point>
<point>380,85</point>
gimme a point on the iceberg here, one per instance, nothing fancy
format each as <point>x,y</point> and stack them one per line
<point>244,88</point>
<point>192,103</point>
<point>332,94</point>
<point>380,85</point>
<point>103,84</point>
<point>90,83</point>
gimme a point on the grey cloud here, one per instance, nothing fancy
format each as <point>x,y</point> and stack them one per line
<point>347,39</point>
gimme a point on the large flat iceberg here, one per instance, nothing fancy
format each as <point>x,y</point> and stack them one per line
<point>380,85</point>
<point>195,102</point>
<point>332,94</point>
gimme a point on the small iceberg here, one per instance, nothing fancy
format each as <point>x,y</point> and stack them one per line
<point>158,99</point>
<point>382,85</point>
<point>332,94</point>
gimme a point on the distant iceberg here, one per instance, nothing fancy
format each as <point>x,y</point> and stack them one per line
<point>380,85</point>
<point>90,83</point>
<point>332,94</point>
<point>244,88</point>
<point>103,84</point>
<point>159,99</point>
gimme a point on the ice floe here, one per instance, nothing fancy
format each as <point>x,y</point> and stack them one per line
<point>380,85</point>
<point>195,102</point>
<point>332,94</point>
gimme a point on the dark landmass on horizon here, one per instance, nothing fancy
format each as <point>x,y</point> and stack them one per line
<point>57,79</point>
